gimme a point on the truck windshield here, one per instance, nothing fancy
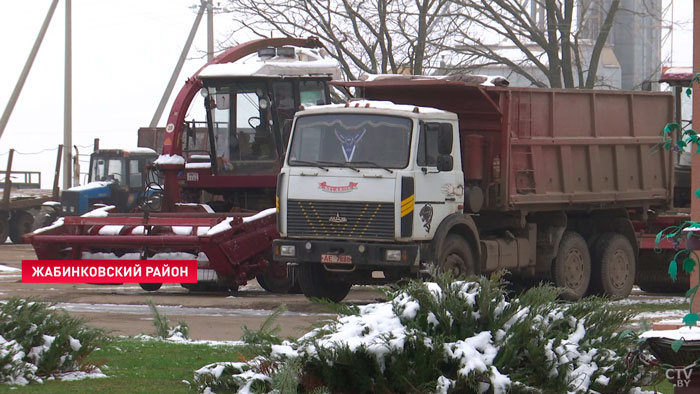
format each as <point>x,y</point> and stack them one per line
<point>351,140</point>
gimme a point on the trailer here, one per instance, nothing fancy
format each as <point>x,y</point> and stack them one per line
<point>548,184</point>
<point>22,198</point>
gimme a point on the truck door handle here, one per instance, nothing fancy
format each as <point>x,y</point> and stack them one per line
<point>450,199</point>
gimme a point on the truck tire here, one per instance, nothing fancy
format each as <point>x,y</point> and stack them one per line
<point>4,228</point>
<point>456,257</point>
<point>613,266</point>
<point>150,286</point>
<point>274,278</point>
<point>572,266</point>
<point>315,283</point>
<point>20,223</point>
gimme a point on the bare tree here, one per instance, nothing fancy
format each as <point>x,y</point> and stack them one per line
<point>378,36</point>
<point>547,35</point>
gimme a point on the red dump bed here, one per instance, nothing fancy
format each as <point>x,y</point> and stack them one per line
<point>545,149</point>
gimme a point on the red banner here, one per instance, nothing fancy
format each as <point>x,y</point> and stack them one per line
<point>109,271</point>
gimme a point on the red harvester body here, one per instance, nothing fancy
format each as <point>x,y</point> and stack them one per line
<point>237,172</point>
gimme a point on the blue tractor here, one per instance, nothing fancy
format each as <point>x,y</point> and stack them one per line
<point>117,177</point>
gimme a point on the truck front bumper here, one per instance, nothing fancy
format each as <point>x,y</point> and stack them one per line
<point>351,253</point>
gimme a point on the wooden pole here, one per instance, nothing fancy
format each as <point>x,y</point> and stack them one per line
<point>6,191</point>
<point>68,102</point>
<point>57,172</point>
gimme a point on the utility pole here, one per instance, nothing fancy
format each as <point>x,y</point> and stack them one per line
<point>67,104</point>
<point>178,67</point>
<point>210,30</point>
<point>27,66</point>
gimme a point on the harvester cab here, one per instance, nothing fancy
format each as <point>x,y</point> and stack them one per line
<point>250,106</point>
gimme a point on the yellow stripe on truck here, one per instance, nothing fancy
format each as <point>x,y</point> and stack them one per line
<point>407,205</point>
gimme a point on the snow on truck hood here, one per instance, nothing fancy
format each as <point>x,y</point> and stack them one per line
<point>306,62</point>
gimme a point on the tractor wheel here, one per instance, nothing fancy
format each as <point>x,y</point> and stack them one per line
<point>613,266</point>
<point>4,228</point>
<point>20,224</point>
<point>315,283</point>
<point>150,286</point>
<point>456,257</point>
<point>274,279</point>
<point>572,266</point>
<point>46,216</point>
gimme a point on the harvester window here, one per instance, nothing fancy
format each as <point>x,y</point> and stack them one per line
<point>284,103</point>
<point>312,93</point>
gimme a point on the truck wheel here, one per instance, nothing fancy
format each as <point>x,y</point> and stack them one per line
<point>274,279</point>
<point>456,257</point>
<point>20,224</point>
<point>314,283</point>
<point>613,266</point>
<point>150,286</point>
<point>4,229</point>
<point>572,266</point>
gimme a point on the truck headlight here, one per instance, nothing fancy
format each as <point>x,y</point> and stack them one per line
<point>288,250</point>
<point>392,255</point>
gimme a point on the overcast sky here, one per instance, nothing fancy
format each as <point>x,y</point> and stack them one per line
<point>123,54</point>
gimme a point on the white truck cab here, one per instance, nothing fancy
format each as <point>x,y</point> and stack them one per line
<point>363,190</point>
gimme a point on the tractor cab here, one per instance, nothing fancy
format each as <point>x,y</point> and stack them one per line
<point>117,177</point>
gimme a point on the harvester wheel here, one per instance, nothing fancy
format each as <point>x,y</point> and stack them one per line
<point>4,228</point>
<point>20,224</point>
<point>150,286</point>
<point>613,266</point>
<point>274,279</point>
<point>456,257</point>
<point>315,283</point>
<point>572,266</point>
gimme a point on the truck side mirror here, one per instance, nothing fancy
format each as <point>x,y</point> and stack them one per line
<point>444,162</point>
<point>445,139</point>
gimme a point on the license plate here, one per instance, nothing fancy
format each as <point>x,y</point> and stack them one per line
<point>336,258</point>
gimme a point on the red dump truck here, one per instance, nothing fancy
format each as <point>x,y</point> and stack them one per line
<point>549,184</point>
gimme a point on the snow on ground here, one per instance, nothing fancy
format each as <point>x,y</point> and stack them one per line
<point>177,338</point>
<point>640,299</point>
<point>80,375</point>
<point>4,268</point>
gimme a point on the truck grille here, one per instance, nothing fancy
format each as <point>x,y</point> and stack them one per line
<point>338,219</point>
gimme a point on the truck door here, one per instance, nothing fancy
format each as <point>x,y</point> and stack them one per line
<point>438,193</point>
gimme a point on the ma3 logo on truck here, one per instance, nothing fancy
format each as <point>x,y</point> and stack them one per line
<point>337,189</point>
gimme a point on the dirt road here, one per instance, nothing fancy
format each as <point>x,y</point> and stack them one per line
<point>122,310</point>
